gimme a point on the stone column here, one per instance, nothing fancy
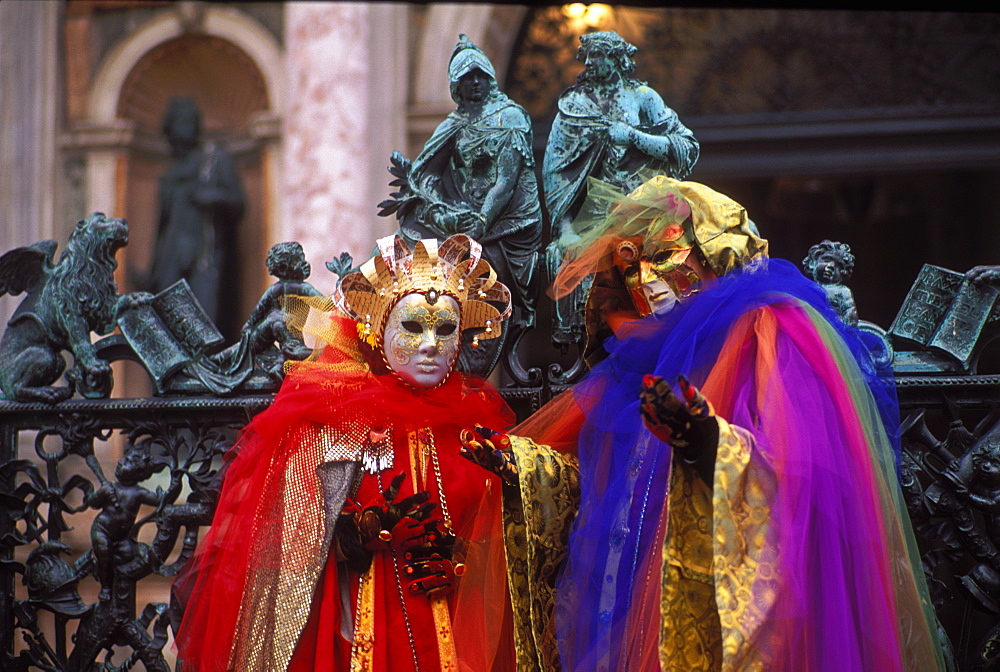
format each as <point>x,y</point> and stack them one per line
<point>29,100</point>
<point>346,111</point>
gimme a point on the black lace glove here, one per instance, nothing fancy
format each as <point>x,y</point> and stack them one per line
<point>390,524</point>
<point>688,423</point>
<point>491,451</point>
<point>348,538</point>
<point>433,570</point>
<point>386,524</point>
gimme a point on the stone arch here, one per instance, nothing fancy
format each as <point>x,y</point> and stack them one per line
<point>228,24</point>
<point>125,152</point>
<point>192,66</point>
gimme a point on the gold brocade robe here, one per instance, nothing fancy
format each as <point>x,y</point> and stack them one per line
<point>706,581</point>
<point>537,519</point>
<point>716,561</point>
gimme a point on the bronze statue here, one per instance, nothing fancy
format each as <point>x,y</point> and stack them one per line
<point>169,334</point>
<point>200,204</point>
<point>946,321</point>
<point>179,347</point>
<point>65,302</point>
<point>267,341</point>
<point>982,276</point>
<point>266,324</point>
<point>610,126</point>
<point>952,493</point>
<point>475,176</point>
<point>121,560</point>
<point>831,265</point>
<point>119,503</point>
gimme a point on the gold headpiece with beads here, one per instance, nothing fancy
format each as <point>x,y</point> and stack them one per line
<point>455,268</point>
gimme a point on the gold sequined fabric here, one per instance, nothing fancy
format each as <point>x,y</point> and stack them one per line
<point>719,582</point>
<point>447,655</point>
<point>289,557</point>
<point>537,518</point>
<point>362,654</point>
<point>286,563</point>
<point>420,464</point>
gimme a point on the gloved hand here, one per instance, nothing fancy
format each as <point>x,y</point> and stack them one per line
<point>689,425</point>
<point>491,451</point>
<point>348,539</point>
<point>385,524</point>
<point>433,570</point>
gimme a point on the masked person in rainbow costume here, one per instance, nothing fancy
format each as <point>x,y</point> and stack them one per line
<point>739,504</point>
<point>350,534</point>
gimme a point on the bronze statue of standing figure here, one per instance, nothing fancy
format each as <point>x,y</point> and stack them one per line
<point>475,176</point>
<point>201,203</point>
<point>613,127</point>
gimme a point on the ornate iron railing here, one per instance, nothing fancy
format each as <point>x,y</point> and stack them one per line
<point>950,474</point>
<point>102,498</point>
<point>53,463</point>
<point>54,476</point>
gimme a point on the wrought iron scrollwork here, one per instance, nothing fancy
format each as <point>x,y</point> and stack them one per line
<point>952,491</point>
<point>182,441</point>
<point>522,376</point>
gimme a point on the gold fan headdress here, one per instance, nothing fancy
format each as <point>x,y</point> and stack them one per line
<point>454,267</point>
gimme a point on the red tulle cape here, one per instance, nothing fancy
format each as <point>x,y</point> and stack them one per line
<point>268,467</point>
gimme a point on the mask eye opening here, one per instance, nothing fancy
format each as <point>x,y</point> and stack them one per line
<point>662,257</point>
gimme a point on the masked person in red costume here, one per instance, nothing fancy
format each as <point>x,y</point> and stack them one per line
<point>350,534</point>
<point>737,451</point>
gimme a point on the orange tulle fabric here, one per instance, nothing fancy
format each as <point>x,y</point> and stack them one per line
<point>557,424</point>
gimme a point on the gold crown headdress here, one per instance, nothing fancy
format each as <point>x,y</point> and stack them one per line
<point>455,268</point>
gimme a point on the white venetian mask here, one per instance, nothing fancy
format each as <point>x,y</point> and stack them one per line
<point>421,339</point>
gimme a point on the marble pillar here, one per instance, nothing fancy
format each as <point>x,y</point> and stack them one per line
<point>346,74</point>
<point>28,107</point>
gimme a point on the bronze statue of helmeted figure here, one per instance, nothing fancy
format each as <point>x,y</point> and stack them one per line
<point>201,203</point>
<point>613,127</point>
<point>475,176</point>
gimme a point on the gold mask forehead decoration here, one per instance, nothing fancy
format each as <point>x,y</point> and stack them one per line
<point>454,267</point>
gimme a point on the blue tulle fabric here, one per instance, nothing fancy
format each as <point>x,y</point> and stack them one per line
<point>624,471</point>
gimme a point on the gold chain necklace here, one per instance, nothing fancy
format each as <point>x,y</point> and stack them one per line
<point>427,439</point>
